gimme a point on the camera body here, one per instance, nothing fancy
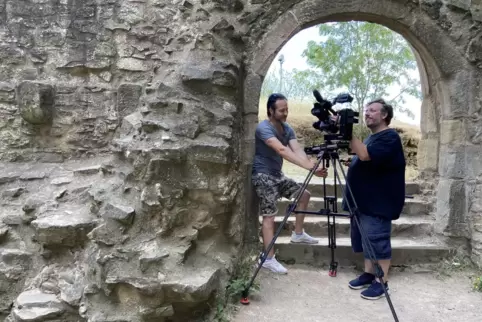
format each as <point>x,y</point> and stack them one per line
<point>337,124</point>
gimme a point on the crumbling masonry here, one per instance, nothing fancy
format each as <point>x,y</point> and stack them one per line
<point>126,138</point>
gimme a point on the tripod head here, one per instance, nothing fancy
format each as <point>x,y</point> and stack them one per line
<point>327,147</point>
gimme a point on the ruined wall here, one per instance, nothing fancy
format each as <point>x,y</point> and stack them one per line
<point>122,197</point>
<point>126,142</point>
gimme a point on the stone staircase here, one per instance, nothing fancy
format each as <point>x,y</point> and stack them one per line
<point>413,238</point>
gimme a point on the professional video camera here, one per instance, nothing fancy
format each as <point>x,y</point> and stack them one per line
<point>338,124</point>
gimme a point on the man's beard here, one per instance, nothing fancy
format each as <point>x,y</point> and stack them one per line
<point>280,119</point>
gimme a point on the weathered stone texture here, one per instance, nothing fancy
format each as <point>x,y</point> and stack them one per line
<point>126,138</point>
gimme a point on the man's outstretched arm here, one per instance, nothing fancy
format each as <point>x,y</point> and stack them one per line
<point>296,148</point>
<point>286,153</point>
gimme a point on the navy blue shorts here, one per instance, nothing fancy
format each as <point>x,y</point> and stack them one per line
<point>378,232</point>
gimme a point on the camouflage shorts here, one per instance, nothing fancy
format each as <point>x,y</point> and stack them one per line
<point>270,189</point>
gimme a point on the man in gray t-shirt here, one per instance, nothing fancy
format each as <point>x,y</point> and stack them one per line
<point>275,141</point>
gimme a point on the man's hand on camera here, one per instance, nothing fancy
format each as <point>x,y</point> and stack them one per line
<point>321,172</point>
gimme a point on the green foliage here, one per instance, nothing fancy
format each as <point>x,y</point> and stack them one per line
<point>478,284</point>
<point>236,285</point>
<point>295,84</point>
<point>365,59</point>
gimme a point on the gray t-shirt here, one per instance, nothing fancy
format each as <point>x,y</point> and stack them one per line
<point>266,160</point>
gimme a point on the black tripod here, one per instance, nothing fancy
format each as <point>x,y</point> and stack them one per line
<point>326,153</point>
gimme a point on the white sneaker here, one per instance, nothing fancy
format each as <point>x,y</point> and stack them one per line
<point>274,266</point>
<point>304,238</point>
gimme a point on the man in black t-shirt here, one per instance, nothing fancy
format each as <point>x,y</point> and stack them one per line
<point>376,177</point>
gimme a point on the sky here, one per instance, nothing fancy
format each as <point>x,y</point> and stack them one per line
<point>293,50</point>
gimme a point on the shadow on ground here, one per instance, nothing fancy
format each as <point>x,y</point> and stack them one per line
<point>309,294</point>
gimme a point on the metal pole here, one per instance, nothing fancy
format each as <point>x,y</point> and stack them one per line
<point>281,60</point>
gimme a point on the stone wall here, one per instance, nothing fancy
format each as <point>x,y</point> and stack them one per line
<point>121,182</point>
<point>126,142</point>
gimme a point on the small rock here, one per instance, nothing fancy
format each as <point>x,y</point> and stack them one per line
<point>3,232</point>
<point>109,234</point>
<point>88,170</point>
<point>8,177</point>
<point>35,305</point>
<point>160,312</point>
<point>151,254</point>
<point>13,220</point>
<point>60,181</point>
<point>50,287</point>
<point>14,192</point>
<point>31,204</point>
<point>120,213</point>
<point>33,175</point>
<point>36,102</point>
<point>72,288</point>
<point>60,194</point>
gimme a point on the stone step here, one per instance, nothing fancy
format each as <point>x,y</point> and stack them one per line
<point>412,207</point>
<point>316,186</point>
<point>405,251</point>
<point>318,226</point>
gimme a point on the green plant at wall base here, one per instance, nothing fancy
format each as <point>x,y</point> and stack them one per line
<point>235,287</point>
<point>478,284</point>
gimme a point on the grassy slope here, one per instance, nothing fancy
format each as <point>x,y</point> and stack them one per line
<point>301,120</point>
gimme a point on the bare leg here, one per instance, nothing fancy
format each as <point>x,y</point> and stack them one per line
<point>268,233</point>
<point>302,205</point>
<point>385,265</point>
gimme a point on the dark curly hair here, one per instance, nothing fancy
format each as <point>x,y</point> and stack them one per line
<point>272,99</point>
<point>386,108</point>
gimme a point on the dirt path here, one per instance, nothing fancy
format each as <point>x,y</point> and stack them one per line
<point>308,294</point>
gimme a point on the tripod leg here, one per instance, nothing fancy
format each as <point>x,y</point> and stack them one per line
<point>365,241</point>
<point>290,209</point>
<point>332,245</point>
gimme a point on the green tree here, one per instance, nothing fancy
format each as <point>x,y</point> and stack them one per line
<point>296,85</point>
<point>365,59</point>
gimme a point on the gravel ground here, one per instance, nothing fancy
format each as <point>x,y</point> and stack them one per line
<point>308,294</point>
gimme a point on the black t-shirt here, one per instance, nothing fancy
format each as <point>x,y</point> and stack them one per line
<point>378,185</point>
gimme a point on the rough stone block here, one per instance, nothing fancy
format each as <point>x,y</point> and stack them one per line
<point>15,265</point>
<point>429,118</point>
<point>452,162</point>
<point>123,214</point>
<point>152,254</point>
<point>252,87</point>
<point>474,50</point>
<point>473,161</point>
<point>427,155</point>
<point>128,96</point>
<point>133,65</point>
<point>65,229</point>
<point>7,93</point>
<point>36,102</point>
<point>452,132</point>
<point>248,151</point>
<point>463,4</point>
<point>250,124</point>
<point>109,233</point>
<point>451,209</point>
<point>474,131</point>
<point>476,10</point>
<point>35,305</point>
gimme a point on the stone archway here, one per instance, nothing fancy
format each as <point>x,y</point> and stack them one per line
<point>450,150</point>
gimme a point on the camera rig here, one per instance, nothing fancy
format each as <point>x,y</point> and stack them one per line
<point>338,126</point>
